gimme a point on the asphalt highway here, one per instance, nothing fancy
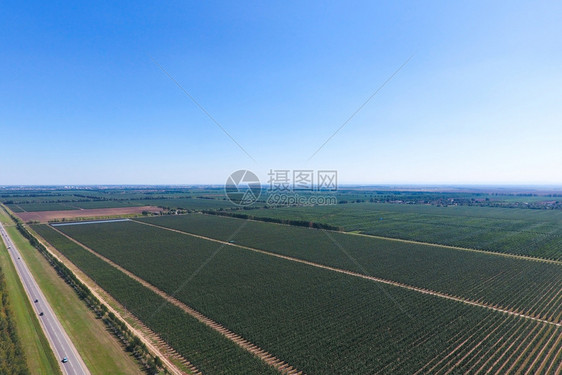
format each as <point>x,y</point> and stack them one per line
<point>60,342</point>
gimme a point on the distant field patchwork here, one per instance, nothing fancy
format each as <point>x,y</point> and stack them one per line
<point>508,230</point>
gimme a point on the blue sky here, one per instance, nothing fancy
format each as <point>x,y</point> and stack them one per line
<point>82,102</point>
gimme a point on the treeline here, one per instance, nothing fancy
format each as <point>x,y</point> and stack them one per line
<point>18,195</point>
<point>445,202</point>
<point>297,223</point>
<point>89,198</point>
<point>47,201</point>
<point>151,364</point>
<point>113,199</point>
<point>12,357</point>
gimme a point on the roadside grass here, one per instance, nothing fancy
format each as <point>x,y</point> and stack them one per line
<point>5,219</point>
<point>39,356</point>
<point>101,351</point>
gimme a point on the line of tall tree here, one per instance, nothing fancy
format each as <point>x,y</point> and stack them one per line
<point>151,364</point>
<point>47,201</point>
<point>12,357</point>
<point>298,223</point>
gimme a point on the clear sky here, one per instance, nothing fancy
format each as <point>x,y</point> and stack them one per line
<point>82,102</point>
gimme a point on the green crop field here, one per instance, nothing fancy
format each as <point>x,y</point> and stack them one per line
<point>321,321</point>
<point>207,350</point>
<point>504,281</point>
<point>508,230</point>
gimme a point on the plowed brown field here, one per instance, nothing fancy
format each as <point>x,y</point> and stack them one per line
<point>45,216</point>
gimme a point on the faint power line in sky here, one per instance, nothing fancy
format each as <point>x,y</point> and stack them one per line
<point>201,107</point>
<point>361,106</point>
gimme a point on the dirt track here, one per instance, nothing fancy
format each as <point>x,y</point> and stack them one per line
<point>45,216</point>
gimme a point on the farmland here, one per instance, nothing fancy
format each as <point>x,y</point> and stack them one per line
<point>182,203</point>
<point>209,351</point>
<point>521,231</point>
<point>490,278</point>
<point>290,188</point>
<point>472,220</point>
<point>45,216</point>
<point>321,321</point>
<point>69,199</point>
<point>359,301</point>
<point>508,230</point>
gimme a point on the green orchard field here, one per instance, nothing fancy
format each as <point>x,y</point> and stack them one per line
<point>520,231</point>
<point>317,320</point>
<point>209,351</point>
<point>527,286</point>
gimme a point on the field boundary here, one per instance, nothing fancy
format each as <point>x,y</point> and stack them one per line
<point>363,276</point>
<point>266,357</point>
<point>356,233</point>
<point>458,248</point>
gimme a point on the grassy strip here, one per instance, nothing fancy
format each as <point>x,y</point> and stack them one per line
<point>39,356</point>
<point>12,356</point>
